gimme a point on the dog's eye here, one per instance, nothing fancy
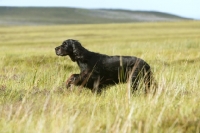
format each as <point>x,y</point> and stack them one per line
<point>64,43</point>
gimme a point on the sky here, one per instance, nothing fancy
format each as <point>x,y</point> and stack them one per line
<point>184,8</point>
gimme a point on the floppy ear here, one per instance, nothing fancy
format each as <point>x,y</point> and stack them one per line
<point>77,49</point>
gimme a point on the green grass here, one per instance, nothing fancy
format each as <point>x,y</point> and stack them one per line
<point>33,97</point>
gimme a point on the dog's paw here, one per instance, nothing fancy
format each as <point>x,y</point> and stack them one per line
<point>70,81</point>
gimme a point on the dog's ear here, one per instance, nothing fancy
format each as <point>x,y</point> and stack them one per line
<point>77,49</point>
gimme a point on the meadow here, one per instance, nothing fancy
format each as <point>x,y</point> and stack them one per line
<point>33,98</point>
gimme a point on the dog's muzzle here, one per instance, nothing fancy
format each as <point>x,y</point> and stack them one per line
<point>58,51</point>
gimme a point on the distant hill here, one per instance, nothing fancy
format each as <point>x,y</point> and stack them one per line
<point>52,15</point>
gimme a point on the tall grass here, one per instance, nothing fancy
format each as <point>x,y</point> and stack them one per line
<point>33,97</point>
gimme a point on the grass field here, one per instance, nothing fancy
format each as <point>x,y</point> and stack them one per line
<point>33,98</point>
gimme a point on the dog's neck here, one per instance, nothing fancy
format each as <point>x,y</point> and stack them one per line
<point>82,65</point>
<point>72,57</point>
<point>80,55</point>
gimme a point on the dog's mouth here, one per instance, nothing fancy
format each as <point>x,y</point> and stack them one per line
<point>60,52</point>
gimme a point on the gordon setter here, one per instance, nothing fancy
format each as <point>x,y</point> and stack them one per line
<point>99,70</point>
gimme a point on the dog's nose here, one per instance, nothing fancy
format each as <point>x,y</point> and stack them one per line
<point>57,48</point>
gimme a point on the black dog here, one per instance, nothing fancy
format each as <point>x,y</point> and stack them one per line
<point>99,70</point>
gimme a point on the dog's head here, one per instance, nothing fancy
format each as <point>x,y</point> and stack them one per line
<point>66,48</point>
<point>69,47</point>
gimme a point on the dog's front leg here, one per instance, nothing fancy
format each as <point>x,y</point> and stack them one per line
<point>96,84</point>
<point>72,80</point>
<point>77,79</point>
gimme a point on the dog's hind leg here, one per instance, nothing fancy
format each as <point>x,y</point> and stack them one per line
<point>147,81</point>
<point>150,83</point>
<point>135,80</point>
